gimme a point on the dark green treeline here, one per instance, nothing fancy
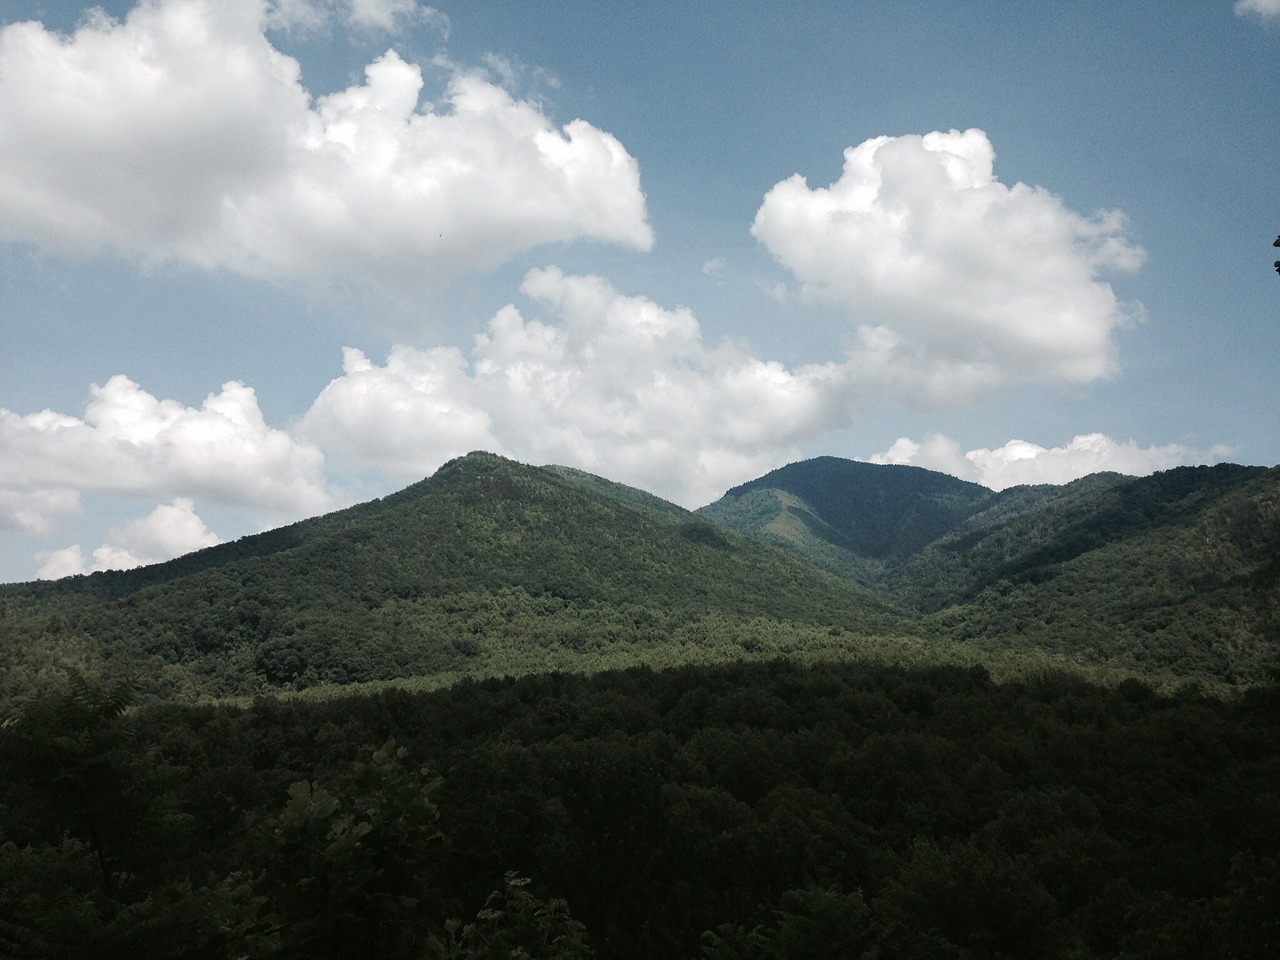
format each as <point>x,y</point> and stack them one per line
<point>747,811</point>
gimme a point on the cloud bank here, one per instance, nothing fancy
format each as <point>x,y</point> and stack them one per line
<point>170,530</point>
<point>182,135</point>
<point>131,444</point>
<point>958,283</point>
<point>1020,462</point>
<point>615,383</point>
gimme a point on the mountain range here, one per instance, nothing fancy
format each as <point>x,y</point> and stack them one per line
<point>490,567</point>
<point>846,710</point>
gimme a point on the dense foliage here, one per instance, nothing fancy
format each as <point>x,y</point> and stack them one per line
<point>880,741</point>
<point>851,514</point>
<point>1174,573</point>
<point>728,812</point>
<point>491,568</point>
<point>486,568</point>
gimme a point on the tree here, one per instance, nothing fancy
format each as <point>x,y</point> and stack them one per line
<point>71,746</point>
<point>348,870</point>
<point>516,925</point>
<point>91,840</point>
<point>809,924</point>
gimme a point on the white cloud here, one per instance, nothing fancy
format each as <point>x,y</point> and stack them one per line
<point>405,418</point>
<point>1020,462</point>
<point>619,385</point>
<point>34,511</point>
<point>383,16</point>
<point>958,283</point>
<point>132,444</point>
<point>303,16</point>
<point>388,15</point>
<point>1263,9</point>
<point>169,531</point>
<point>181,134</point>
<point>56,564</point>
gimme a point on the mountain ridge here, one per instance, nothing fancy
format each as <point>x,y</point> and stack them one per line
<point>491,566</point>
<point>487,565</point>
<point>1176,570</point>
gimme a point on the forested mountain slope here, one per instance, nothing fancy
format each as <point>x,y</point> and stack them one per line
<point>1180,570</point>
<point>1176,571</point>
<point>830,799</point>
<point>849,516</point>
<point>488,566</point>
<point>491,567</point>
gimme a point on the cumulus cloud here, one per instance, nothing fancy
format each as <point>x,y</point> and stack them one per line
<point>56,564</point>
<point>169,531</point>
<point>957,282</point>
<point>131,443</point>
<point>34,511</point>
<point>1020,462</point>
<point>180,134</point>
<point>1262,9</point>
<point>615,384</point>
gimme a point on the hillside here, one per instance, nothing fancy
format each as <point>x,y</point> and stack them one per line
<point>788,767</point>
<point>486,567</point>
<point>1172,572</point>
<point>849,516</point>
<point>490,567</point>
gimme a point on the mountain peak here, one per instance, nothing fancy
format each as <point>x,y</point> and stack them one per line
<point>850,510</point>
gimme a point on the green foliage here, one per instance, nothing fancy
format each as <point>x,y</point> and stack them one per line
<point>742,810</point>
<point>51,905</point>
<point>92,826</point>
<point>809,924</point>
<point>516,925</point>
<point>866,512</point>
<point>70,748</point>
<point>351,874</point>
<point>486,568</point>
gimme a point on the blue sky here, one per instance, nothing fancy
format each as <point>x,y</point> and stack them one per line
<point>262,260</point>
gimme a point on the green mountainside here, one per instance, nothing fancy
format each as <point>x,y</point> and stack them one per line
<point>849,516</point>
<point>487,567</point>
<point>527,712</point>
<point>1180,570</point>
<point>490,567</point>
<point>1176,571</point>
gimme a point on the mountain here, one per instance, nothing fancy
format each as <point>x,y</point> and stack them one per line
<point>912,766</point>
<point>849,516</point>
<point>1180,570</point>
<point>1177,571</point>
<point>491,567</point>
<point>488,566</point>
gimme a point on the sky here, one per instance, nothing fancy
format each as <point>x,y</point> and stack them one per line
<point>264,259</point>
